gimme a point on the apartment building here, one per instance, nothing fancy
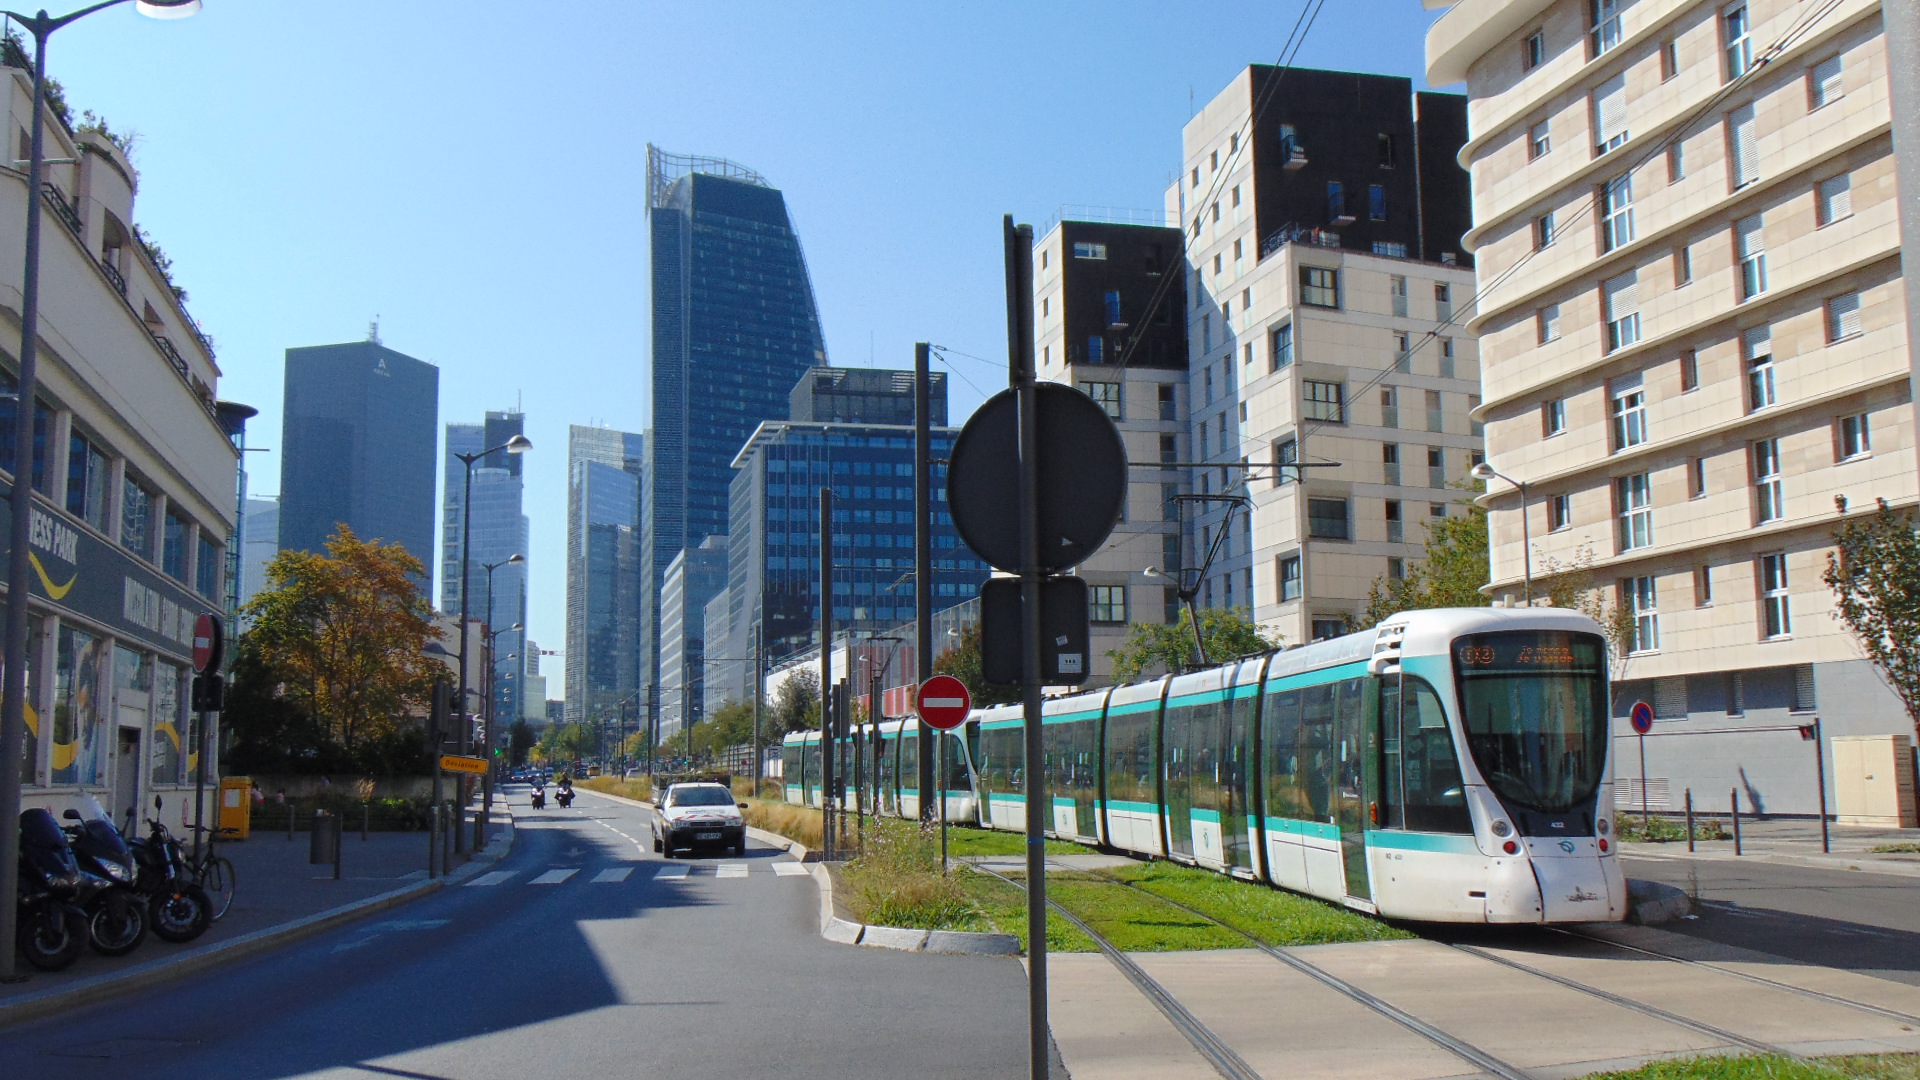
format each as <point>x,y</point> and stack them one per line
<point>134,477</point>
<point>1694,347</point>
<point>1330,379</point>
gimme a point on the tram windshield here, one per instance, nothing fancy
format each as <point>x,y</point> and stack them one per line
<point>1536,714</point>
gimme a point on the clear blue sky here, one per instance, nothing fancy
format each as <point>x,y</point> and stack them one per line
<point>474,172</point>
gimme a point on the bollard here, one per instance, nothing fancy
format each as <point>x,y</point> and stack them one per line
<point>366,812</point>
<point>339,824</point>
<point>289,822</point>
<point>1689,819</point>
<point>1735,793</point>
<point>433,843</point>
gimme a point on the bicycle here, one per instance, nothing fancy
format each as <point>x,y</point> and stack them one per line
<point>214,873</point>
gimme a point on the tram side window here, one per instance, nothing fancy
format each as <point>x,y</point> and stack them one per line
<point>1280,736</point>
<point>1130,758</point>
<point>1001,751</point>
<point>910,761</point>
<point>1434,799</point>
<point>790,763</point>
<point>1318,756</point>
<point>956,779</point>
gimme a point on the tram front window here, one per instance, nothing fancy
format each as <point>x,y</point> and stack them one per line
<point>1536,716</point>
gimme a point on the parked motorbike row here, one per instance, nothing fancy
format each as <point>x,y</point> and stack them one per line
<point>84,884</point>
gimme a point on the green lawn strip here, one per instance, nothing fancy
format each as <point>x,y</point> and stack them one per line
<point>1271,915</point>
<point>1005,907</point>
<point>1133,920</point>
<point>1774,1067</point>
<point>964,840</point>
<point>1896,849</point>
<point>1666,830</point>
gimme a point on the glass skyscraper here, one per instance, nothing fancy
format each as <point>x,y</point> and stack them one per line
<point>499,531</point>
<point>356,446</point>
<point>603,570</point>
<point>734,328</point>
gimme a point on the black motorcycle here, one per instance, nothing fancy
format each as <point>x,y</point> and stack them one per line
<point>539,798</point>
<point>116,914</point>
<point>52,929</point>
<point>565,797</point>
<point>177,909</point>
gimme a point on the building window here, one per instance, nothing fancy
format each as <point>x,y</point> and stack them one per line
<point>1703,586</point>
<point>1436,467</point>
<point>1604,18</point>
<point>1402,353</point>
<point>1736,35</point>
<point>1697,478</point>
<point>1289,574</point>
<point>1750,248</point>
<point>1396,526</point>
<point>1776,621</point>
<point>1689,371</point>
<point>1166,402</point>
<point>1642,601</point>
<point>1436,510</point>
<point>1682,266</point>
<point>1396,568</point>
<point>1743,151</point>
<point>206,567</point>
<point>1327,519</point>
<point>1852,438</point>
<point>1533,52</point>
<point>1384,142</point>
<point>1328,627</point>
<point>1553,417</point>
<point>1106,395</point>
<point>1376,202</point>
<point>1559,512</point>
<point>1107,603</point>
<point>1629,405</point>
<point>1669,59</point>
<point>1769,493</point>
<point>173,547</point>
<point>1169,450</point>
<point>1543,231</point>
<point>1446,358</point>
<point>1843,317</point>
<point>1325,401</point>
<point>1113,307</point>
<point>1389,406</point>
<point>87,475</point>
<point>136,518</point>
<point>1390,463</point>
<point>1435,417</point>
<point>1621,300</point>
<point>1337,203</point>
<point>1823,83</point>
<point>1610,115</point>
<point>1676,162</point>
<point>1442,301</point>
<point>1757,346</point>
<point>1084,250</point>
<point>1319,286</point>
<point>1834,200</point>
<point>1547,323</point>
<point>1096,349</point>
<point>1170,502</point>
<point>1286,452</point>
<point>1539,140</point>
<point>1633,496</point>
<point>1803,696</point>
<point>1397,289</point>
<point>1616,212</point>
<point>1282,342</point>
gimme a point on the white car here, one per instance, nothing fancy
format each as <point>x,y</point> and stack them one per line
<point>693,816</point>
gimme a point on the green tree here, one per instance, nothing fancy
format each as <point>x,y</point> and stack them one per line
<point>1452,573</point>
<point>519,741</point>
<point>962,661</point>
<point>1228,632</point>
<point>796,705</point>
<point>1874,572</point>
<point>567,743</point>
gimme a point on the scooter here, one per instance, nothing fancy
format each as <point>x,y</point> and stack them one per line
<point>177,909</point>
<point>564,797</point>
<point>52,929</point>
<point>539,798</point>
<point>116,914</point>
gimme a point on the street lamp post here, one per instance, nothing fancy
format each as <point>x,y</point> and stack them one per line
<point>519,444</point>
<point>13,683</point>
<point>1485,471</point>
<point>486,723</point>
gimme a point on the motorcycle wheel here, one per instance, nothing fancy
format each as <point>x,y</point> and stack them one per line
<point>180,913</point>
<point>117,925</point>
<point>53,936</point>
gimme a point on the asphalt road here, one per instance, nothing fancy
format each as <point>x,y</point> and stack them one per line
<point>704,977</point>
<point>1850,919</point>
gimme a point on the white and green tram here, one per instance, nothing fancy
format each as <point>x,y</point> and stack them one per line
<point>1448,766</point>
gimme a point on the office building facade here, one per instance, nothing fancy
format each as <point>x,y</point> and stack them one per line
<point>830,395</point>
<point>693,579</point>
<point>261,543</point>
<point>1696,350</point>
<point>604,470</point>
<point>499,530</point>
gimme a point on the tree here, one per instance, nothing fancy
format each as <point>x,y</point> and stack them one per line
<point>343,634</point>
<point>1874,573</point>
<point>1452,574</point>
<point>962,661</point>
<point>1228,632</point>
<point>519,740</point>
<point>567,743</point>
<point>1571,585</point>
<point>796,705</point>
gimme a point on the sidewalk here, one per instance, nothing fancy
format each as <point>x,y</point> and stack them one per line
<point>1795,841</point>
<point>279,899</point>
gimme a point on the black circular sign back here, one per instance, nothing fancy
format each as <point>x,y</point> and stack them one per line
<point>1083,478</point>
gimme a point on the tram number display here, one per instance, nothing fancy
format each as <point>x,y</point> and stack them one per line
<point>1528,650</point>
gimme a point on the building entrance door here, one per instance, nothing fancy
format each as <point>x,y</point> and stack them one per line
<point>126,781</point>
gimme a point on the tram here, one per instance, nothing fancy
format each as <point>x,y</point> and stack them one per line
<point>1446,766</point>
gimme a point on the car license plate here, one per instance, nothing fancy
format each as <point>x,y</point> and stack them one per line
<point>706,836</point>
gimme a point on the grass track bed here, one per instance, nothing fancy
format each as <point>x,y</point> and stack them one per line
<point>1271,915</point>
<point>1005,907</point>
<point>1772,1067</point>
<point>1135,921</point>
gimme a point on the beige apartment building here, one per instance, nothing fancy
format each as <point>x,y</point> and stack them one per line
<point>1694,349</point>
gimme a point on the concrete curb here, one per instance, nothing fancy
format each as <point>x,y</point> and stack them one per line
<point>153,972</point>
<point>1650,903</point>
<point>1865,864</point>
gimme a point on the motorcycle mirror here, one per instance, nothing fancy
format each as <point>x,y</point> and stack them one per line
<point>156,804</point>
<point>70,814</point>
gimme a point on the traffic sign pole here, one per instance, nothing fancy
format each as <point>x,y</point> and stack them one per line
<point>942,703</point>
<point>1642,719</point>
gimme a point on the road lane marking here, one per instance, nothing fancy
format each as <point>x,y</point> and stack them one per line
<point>672,873</point>
<point>788,869</point>
<point>614,874</point>
<point>554,877</point>
<point>732,870</point>
<point>494,877</point>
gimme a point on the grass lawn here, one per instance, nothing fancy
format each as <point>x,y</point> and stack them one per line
<point>640,790</point>
<point>1135,921</point>
<point>1005,908</point>
<point>1271,915</point>
<point>1771,1067</point>
<point>965,840</point>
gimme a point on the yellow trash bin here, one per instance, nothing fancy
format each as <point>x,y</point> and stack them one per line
<point>236,807</point>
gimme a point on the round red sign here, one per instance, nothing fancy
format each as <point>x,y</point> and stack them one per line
<point>208,642</point>
<point>943,702</point>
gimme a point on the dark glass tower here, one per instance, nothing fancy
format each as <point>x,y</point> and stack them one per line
<point>603,556</point>
<point>734,328</point>
<point>357,445</point>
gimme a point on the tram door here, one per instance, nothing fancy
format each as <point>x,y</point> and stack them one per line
<point>1355,714</point>
<point>1175,741</point>
<point>1236,773</point>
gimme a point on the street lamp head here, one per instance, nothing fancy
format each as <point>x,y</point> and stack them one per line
<point>1153,572</point>
<point>167,9</point>
<point>515,626</point>
<point>516,559</point>
<point>519,444</point>
<point>1483,471</point>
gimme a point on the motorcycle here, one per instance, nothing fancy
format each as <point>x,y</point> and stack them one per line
<point>539,798</point>
<point>565,797</point>
<point>177,909</point>
<point>116,914</point>
<point>52,929</point>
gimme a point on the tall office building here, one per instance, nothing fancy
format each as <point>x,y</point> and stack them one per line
<point>1697,348</point>
<point>1323,213</point>
<point>734,327</point>
<point>260,530</point>
<point>831,395</point>
<point>694,578</point>
<point>499,531</point>
<point>357,445</point>
<point>604,470</point>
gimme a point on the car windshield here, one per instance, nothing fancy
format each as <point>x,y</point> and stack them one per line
<point>1535,709</point>
<point>700,796</point>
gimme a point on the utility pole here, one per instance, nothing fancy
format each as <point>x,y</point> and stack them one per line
<point>923,562</point>
<point>827,725</point>
<point>759,685</point>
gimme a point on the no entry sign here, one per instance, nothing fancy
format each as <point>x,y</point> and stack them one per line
<point>209,642</point>
<point>943,702</point>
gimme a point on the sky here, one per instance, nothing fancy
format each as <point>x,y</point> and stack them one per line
<point>473,174</point>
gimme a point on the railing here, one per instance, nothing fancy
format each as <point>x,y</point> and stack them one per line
<point>62,209</point>
<point>116,277</point>
<point>173,356</point>
<point>1297,234</point>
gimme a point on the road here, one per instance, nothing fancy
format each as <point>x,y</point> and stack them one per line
<point>530,971</point>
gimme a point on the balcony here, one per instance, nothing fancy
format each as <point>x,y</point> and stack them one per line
<point>1296,234</point>
<point>62,209</point>
<point>118,279</point>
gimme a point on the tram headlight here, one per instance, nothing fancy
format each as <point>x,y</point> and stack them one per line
<point>1501,828</point>
<point>1605,826</point>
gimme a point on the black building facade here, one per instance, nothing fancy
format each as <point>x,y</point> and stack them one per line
<point>1123,295</point>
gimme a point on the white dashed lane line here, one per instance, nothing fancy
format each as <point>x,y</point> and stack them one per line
<point>554,877</point>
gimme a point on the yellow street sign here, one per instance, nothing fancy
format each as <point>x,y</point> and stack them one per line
<point>456,763</point>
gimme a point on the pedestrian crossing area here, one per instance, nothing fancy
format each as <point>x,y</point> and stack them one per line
<point>667,872</point>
